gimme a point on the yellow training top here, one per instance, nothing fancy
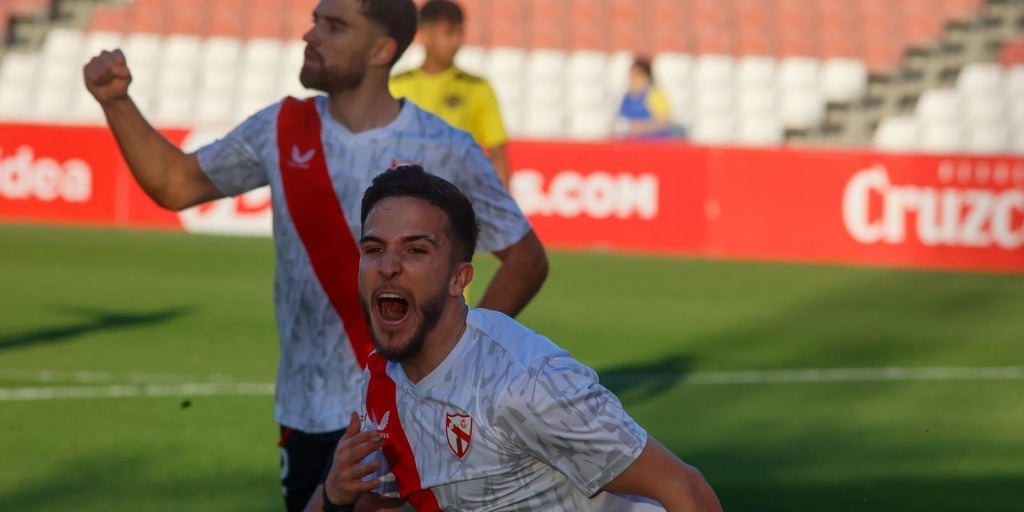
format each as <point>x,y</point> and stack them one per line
<point>466,101</point>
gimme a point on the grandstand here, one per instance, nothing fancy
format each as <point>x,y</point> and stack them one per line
<point>938,76</point>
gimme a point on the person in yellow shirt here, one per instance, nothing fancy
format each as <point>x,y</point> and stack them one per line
<point>464,100</point>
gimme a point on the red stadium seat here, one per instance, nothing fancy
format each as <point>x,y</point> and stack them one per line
<point>110,18</point>
<point>961,9</point>
<point>1012,53</point>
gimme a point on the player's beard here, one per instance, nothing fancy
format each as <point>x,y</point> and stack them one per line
<point>430,316</point>
<point>337,79</point>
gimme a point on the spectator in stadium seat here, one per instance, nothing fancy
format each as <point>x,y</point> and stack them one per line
<point>318,155</point>
<point>466,101</point>
<point>645,111</point>
<point>466,409</point>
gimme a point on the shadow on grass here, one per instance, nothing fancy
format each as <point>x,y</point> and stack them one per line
<point>991,494</point>
<point>636,383</point>
<point>132,482</point>
<point>96,320</point>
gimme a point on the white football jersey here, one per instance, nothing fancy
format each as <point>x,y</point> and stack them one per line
<point>508,421</point>
<point>318,376</point>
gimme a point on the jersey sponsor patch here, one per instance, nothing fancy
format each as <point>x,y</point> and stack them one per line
<point>459,428</point>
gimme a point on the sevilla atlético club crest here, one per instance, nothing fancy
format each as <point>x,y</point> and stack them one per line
<point>459,428</point>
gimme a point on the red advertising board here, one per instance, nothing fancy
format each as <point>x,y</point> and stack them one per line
<point>855,207</point>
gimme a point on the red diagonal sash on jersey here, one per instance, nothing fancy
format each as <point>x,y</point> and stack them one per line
<point>381,399</point>
<point>319,218</point>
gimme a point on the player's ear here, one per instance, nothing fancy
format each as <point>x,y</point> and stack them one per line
<point>383,50</point>
<point>461,278</point>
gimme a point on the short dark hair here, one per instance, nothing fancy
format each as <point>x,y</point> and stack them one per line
<point>644,65</point>
<point>413,181</point>
<point>396,17</point>
<point>441,10</point>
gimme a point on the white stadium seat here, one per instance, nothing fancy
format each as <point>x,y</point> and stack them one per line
<point>545,65</point>
<point>980,78</point>
<point>757,102</point>
<point>587,66</point>
<point>714,71</point>
<point>543,124</point>
<point>505,64</point>
<point>672,68</point>
<point>896,134</point>
<point>592,124</point>
<point>798,74</point>
<point>471,59</point>
<point>757,72</point>
<point>993,138</point>
<point>984,108</point>
<point>941,137</point>
<point>843,80</point>
<point>715,130</point>
<point>802,109</point>
<point>411,59</point>
<point>938,105</point>
<point>757,130</point>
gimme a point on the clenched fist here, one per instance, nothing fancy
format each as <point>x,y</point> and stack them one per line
<point>107,77</point>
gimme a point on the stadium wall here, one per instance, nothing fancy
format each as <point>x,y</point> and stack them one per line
<point>802,205</point>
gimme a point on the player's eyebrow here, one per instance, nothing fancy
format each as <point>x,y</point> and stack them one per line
<point>330,19</point>
<point>405,239</point>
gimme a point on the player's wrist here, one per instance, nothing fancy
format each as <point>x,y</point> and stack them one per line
<point>332,507</point>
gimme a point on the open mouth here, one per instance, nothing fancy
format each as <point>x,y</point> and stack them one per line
<point>392,308</point>
<point>311,57</point>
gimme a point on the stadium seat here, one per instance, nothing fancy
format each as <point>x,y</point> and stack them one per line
<point>712,102</point>
<point>672,68</point>
<point>472,59</point>
<point>802,110</point>
<point>96,41</point>
<point>984,108</point>
<point>980,78</point>
<point>759,131</point>
<point>938,105</point>
<point>798,74</point>
<point>543,95</point>
<point>619,64</point>
<point>1014,81</point>
<point>714,71</point>
<point>843,79</point>
<point>545,65</point>
<point>590,124</point>
<point>757,102</point>
<point>411,59</point>
<point>941,137</point>
<point>143,53</point>
<point>713,131</point>
<point>543,124</point>
<point>896,134</point>
<point>990,138</point>
<point>17,79</point>
<point>1017,142</point>
<point>756,72</point>
<point>505,64</point>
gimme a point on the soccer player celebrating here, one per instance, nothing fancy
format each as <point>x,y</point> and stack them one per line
<point>464,100</point>
<point>317,156</point>
<point>466,409</point>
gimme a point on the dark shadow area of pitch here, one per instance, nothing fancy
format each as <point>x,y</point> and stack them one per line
<point>95,320</point>
<point>637,382</point>
<point>991,494</point>
<point>126,482</point>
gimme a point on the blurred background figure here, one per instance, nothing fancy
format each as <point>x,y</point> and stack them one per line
<point>466,101</point>
<point>645,111</point>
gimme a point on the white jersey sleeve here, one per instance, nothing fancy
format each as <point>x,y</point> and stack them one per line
<point>559,412</point>
<point>233,163</point>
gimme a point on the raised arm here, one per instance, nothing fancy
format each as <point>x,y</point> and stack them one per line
<point>659,475</point>
<point>168,175</point>
<point>524,266</point>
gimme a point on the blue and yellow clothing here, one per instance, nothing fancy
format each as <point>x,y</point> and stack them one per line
<point>464,100</point>
<point>649,104</point>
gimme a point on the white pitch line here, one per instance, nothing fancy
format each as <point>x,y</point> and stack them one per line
<point>136,391</point>
<point>807,376</point>
<point>93,377</point>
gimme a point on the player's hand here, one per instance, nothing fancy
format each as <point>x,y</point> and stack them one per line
<point>345,482</point>
<point>107,76</point>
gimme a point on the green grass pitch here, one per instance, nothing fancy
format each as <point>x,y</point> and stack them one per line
<point>793,388</point>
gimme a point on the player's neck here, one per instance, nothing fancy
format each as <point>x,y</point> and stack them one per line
<point>364,108</point>
<point>439,343</point>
